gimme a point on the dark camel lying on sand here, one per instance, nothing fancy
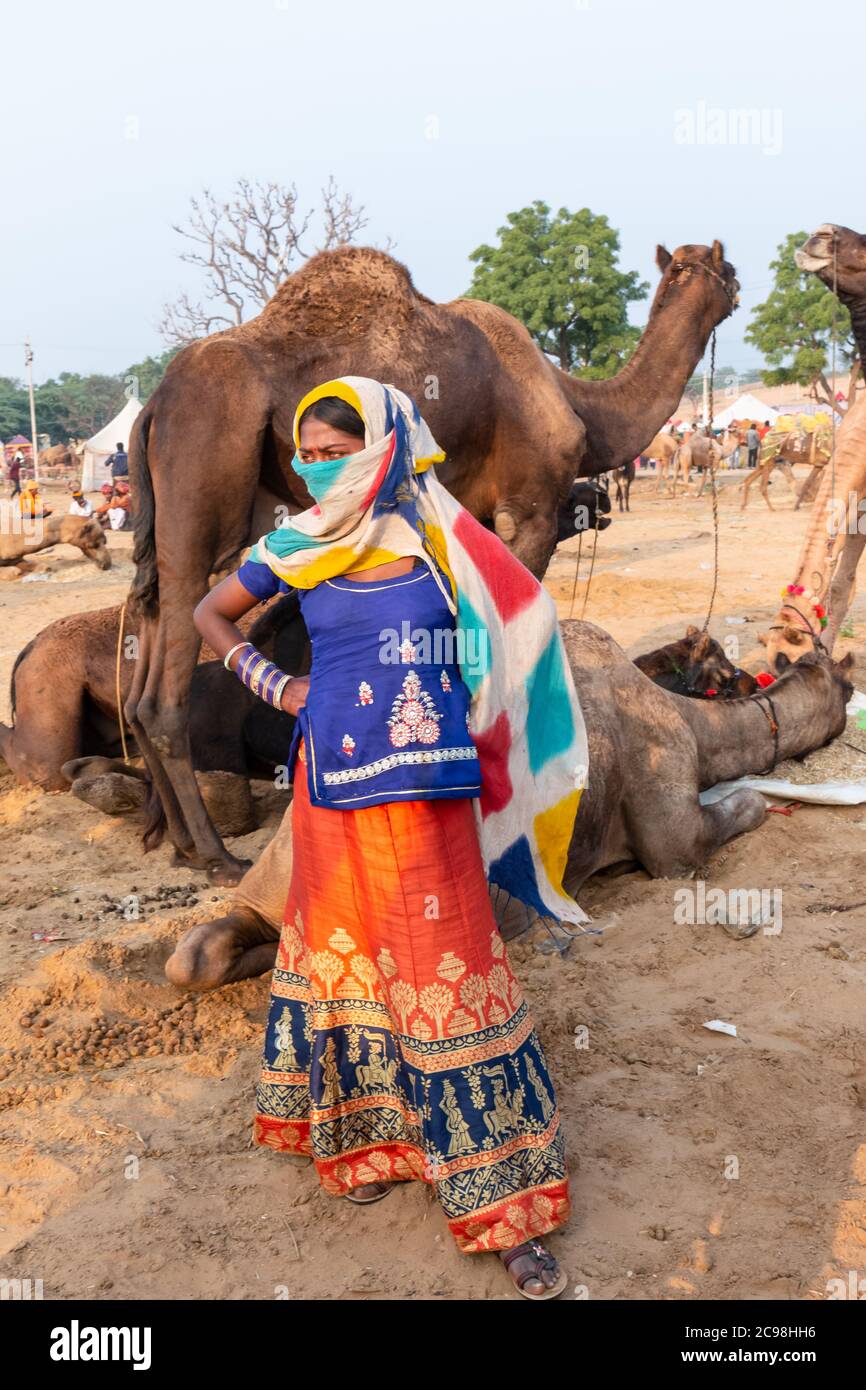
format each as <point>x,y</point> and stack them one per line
<point>72,741</point>
<point>650,754</point>
<point>697,666</point>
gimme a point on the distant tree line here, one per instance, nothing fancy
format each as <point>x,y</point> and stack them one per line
<point>72,406</point>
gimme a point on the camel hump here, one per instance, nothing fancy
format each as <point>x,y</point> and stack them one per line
<point>341,291</point>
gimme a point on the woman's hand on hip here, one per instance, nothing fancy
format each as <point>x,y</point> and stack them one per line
<point>295,694</point>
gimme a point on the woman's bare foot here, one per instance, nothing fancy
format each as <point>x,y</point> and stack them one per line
<point>369,1192</point>
<point>534,1270</point>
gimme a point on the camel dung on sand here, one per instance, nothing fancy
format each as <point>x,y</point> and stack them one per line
<point>650,754</point>
<point>214,443</point>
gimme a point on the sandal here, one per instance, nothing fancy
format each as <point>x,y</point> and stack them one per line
<point>382,1190</point>
<point>542,1262</point>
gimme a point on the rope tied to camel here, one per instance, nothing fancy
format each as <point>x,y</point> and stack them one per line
<point>713,489</point>
<point>120,719</point>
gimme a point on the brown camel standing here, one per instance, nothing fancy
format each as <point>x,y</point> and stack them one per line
<point>662,448</point>
<point>833,544</point>
<point>776,450</point>
<point>701,452</point>
<point>215,439</point>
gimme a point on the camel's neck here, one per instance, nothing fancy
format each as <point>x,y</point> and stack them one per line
<point>735,737</point>
<point>623,414</point>
<point>856,306</point>
<point>835,511</point>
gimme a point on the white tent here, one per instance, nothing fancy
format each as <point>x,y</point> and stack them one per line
<point>100,448</point>
<point>745,407</point>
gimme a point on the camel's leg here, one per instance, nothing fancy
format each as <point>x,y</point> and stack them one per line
<point>193,531</point>
<point>765,486</point>
<point>844,586</point>
<point>684,835</point>
<point>809,488</point>
<point>244,942</point>
<point>163,715</point>
<point>747,483</point>
<point>789,475</point>
<point>177,827</point>
<point>47,733</point>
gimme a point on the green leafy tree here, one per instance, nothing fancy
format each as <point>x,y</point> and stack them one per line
<point>558,274</point>
<point>794,325</point>
<point>74,406</point>
<point>14,408</point>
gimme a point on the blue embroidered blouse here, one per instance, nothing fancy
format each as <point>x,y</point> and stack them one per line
<point>387,713</point>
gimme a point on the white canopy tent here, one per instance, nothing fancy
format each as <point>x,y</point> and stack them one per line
<point>100,448</point>
<point>745,407</point>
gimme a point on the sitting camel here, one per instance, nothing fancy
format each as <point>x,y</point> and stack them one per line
<point>75,738</point>
<point>80,531</point>
<point>696,666</point>
<point>650,754</point>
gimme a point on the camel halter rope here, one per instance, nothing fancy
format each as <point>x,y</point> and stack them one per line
<point>714,275</point>
<point>577,570</point>
<point>120,719</point>
<point>713,490</point>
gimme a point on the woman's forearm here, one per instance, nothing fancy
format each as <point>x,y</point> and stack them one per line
<point>215,618</point>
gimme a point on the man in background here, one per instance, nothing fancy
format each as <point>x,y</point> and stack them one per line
<point>118,462</point>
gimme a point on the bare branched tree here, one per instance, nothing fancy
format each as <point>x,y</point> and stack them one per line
<point>246,248</point>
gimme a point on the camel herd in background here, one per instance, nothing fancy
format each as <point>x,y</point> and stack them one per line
<point>676,459</point>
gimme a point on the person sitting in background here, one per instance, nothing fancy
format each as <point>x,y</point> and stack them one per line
<point>101,512</point>
<point>30,501</point>
<point>118,462</point>
<point>79,504</point>
<point>119,513</point>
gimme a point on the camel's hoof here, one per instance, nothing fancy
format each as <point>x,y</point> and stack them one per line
<point>224,873</point>
<point>114,794</point>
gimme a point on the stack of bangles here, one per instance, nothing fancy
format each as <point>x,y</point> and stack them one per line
<point>258,674</point>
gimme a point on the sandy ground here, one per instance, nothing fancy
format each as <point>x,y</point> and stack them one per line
<point>703,1166</point>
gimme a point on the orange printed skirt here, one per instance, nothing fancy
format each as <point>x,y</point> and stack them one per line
<point>398,1043</point>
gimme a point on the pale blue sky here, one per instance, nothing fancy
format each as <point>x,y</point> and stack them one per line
<point>571,101</point>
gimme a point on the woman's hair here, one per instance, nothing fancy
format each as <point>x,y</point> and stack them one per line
<point>334,411</point>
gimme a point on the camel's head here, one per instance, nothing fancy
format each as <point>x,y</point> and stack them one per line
<point>788,640</point>
<point>89,536</point>
<point>585,509</point>
<point>830,680</point>
<point>704,267</point>
<point>707,668</point>
<point>848,249</point>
